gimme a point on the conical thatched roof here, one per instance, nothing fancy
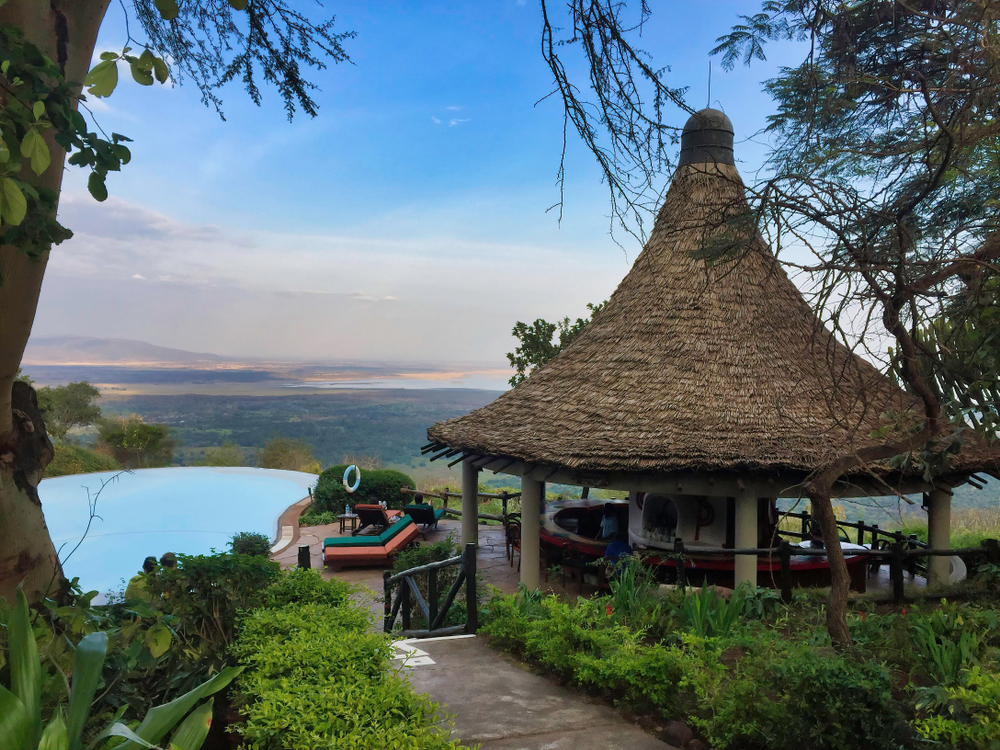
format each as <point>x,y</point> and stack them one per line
<point>689,366</point>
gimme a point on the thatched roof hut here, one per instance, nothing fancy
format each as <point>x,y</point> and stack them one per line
<point>696,378</point>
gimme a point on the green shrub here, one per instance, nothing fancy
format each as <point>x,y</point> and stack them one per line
<point>75,459</point>
<point>313,516</point>
<point>318,677</point>
<point>306,586</point>
<point>970,715</point>
<point>250,543</point>
<point>377,485</point>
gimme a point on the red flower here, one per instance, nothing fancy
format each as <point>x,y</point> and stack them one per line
<point>862,615</point>
<point>904,613</point>
<point>608,607</point>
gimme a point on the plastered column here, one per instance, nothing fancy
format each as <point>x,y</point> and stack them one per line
<point>531,511</point>
<point>938,535</point>
<point>470,503</point>
<point>746,538</point>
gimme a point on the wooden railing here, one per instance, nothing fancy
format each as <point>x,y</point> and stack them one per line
<point>445,495</point>
<point>409,594</point>
<point>897,557</point>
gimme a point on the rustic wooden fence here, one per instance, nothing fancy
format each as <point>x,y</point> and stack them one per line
<point>409,594</point>
<point>445,495</point>
<point>897,556</point>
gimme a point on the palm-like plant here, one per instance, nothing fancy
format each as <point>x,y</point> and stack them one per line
<point>21,725</point>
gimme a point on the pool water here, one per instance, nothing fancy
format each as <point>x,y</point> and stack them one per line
<point>188,510</point>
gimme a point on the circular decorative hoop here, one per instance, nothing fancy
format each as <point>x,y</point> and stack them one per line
<point>352,488</point>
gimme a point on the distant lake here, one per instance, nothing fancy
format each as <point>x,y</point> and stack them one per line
<point>188,510</point>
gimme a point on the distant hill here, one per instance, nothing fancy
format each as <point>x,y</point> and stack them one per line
<point>90,350</point>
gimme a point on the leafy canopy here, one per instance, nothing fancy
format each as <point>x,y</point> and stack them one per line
<point>537,345</point>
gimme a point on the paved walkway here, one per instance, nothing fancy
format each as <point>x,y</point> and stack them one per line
<point>503,707</point>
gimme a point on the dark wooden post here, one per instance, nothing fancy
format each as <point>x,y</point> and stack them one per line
<point>805,522</point>
<point>992,551</point>
<point>896,571</point>
<point>387,596</point>
<point>305,559</point>
<point>432,596</point>
<point>405,593</point>
<point>785,554</point>
<point>471,605</point>
<point>861,533</point>
<point>912,561</point>
<point>681,570</point>
<point>503,500</point>
<point>444,494</point>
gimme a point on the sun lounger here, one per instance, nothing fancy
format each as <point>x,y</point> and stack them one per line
<point>374,515</point>
<point>424,514</point>
<point>374,549</point>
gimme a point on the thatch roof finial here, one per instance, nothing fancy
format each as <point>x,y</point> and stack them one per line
<point>707,138</point>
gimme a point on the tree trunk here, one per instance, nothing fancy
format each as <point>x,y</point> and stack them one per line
<point>65,31</point>
<point>840,580</point>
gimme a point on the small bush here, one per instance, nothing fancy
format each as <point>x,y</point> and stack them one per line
<point>313,516</point>
<point>306,586</point>
<point>250,543</point>
<point>317,677</point>
<point>377,485</point>
<point>969,714</point>
<point>75,459</point>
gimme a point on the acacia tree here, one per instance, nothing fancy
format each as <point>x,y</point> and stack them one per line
<point>537,345</point>
<point>883,167</point>
<point>46,48</point>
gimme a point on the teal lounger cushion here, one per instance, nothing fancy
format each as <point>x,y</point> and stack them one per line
<point>372,540</point>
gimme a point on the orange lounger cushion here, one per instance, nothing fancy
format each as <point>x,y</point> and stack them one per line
<point>373,555</point>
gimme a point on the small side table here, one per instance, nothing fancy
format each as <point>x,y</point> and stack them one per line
<point>344,518</point>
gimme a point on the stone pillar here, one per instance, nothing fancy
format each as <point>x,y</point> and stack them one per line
<point>470,503</point>
<point>746,538</point>
<point>938,535</point>
<point>531,511</point>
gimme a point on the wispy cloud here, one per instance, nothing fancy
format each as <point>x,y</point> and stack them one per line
<point>138,276</point>
<point>457,121</point>
<point>455,108</point>
<point>435,120</point>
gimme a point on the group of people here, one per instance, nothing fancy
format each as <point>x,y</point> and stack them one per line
<point>136,589</point>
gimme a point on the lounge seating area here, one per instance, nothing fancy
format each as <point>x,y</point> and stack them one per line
<point>370,549</point>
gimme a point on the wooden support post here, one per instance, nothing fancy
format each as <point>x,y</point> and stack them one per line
<point>681,568</point>
<point>405,593</point>
<point>992,547</point>
<point>432,597</point>
<point>805,522</point>
<point>444,494</point>
<point>387,596</point>
<point>911,544</point>
<point>471,604</point>
<point>861,533</point>
<point>305,559</point>
<point>503,500</point>
<point>896,571</point>
<point>785,554</point>
<point>470,503</point>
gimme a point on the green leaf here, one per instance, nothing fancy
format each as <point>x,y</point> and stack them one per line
<point>146,59</point>
<point>38,109</point>
<point>120,730</point>
<point>55,736</point>
<point>160,70</point>
<point>109,55</point>
<point>123,154</point>
<point>25,666</point>
<point>238,4</point>
<point>35,148</point>
<point>4,152</point>
<point>87,664</point>
<point>161,719</point>
<point>140,74</point>
<point>191,734</point>
<point>168,9</point>
<point>96,186</point>
<point>15,728</point>
<point>102,78</point>
<point>158,640</point>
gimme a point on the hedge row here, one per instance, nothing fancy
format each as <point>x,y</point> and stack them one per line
<point>318,677</point>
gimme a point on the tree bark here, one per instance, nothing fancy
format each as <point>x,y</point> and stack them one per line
<point>65,31</point>
<point>840,580</point>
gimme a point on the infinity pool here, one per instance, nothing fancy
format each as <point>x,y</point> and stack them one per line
<point>152,511</point>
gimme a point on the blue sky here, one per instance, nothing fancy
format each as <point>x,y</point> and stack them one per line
<point>406,223</point>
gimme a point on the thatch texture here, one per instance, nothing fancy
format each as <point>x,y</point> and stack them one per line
<point>693,367</point>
